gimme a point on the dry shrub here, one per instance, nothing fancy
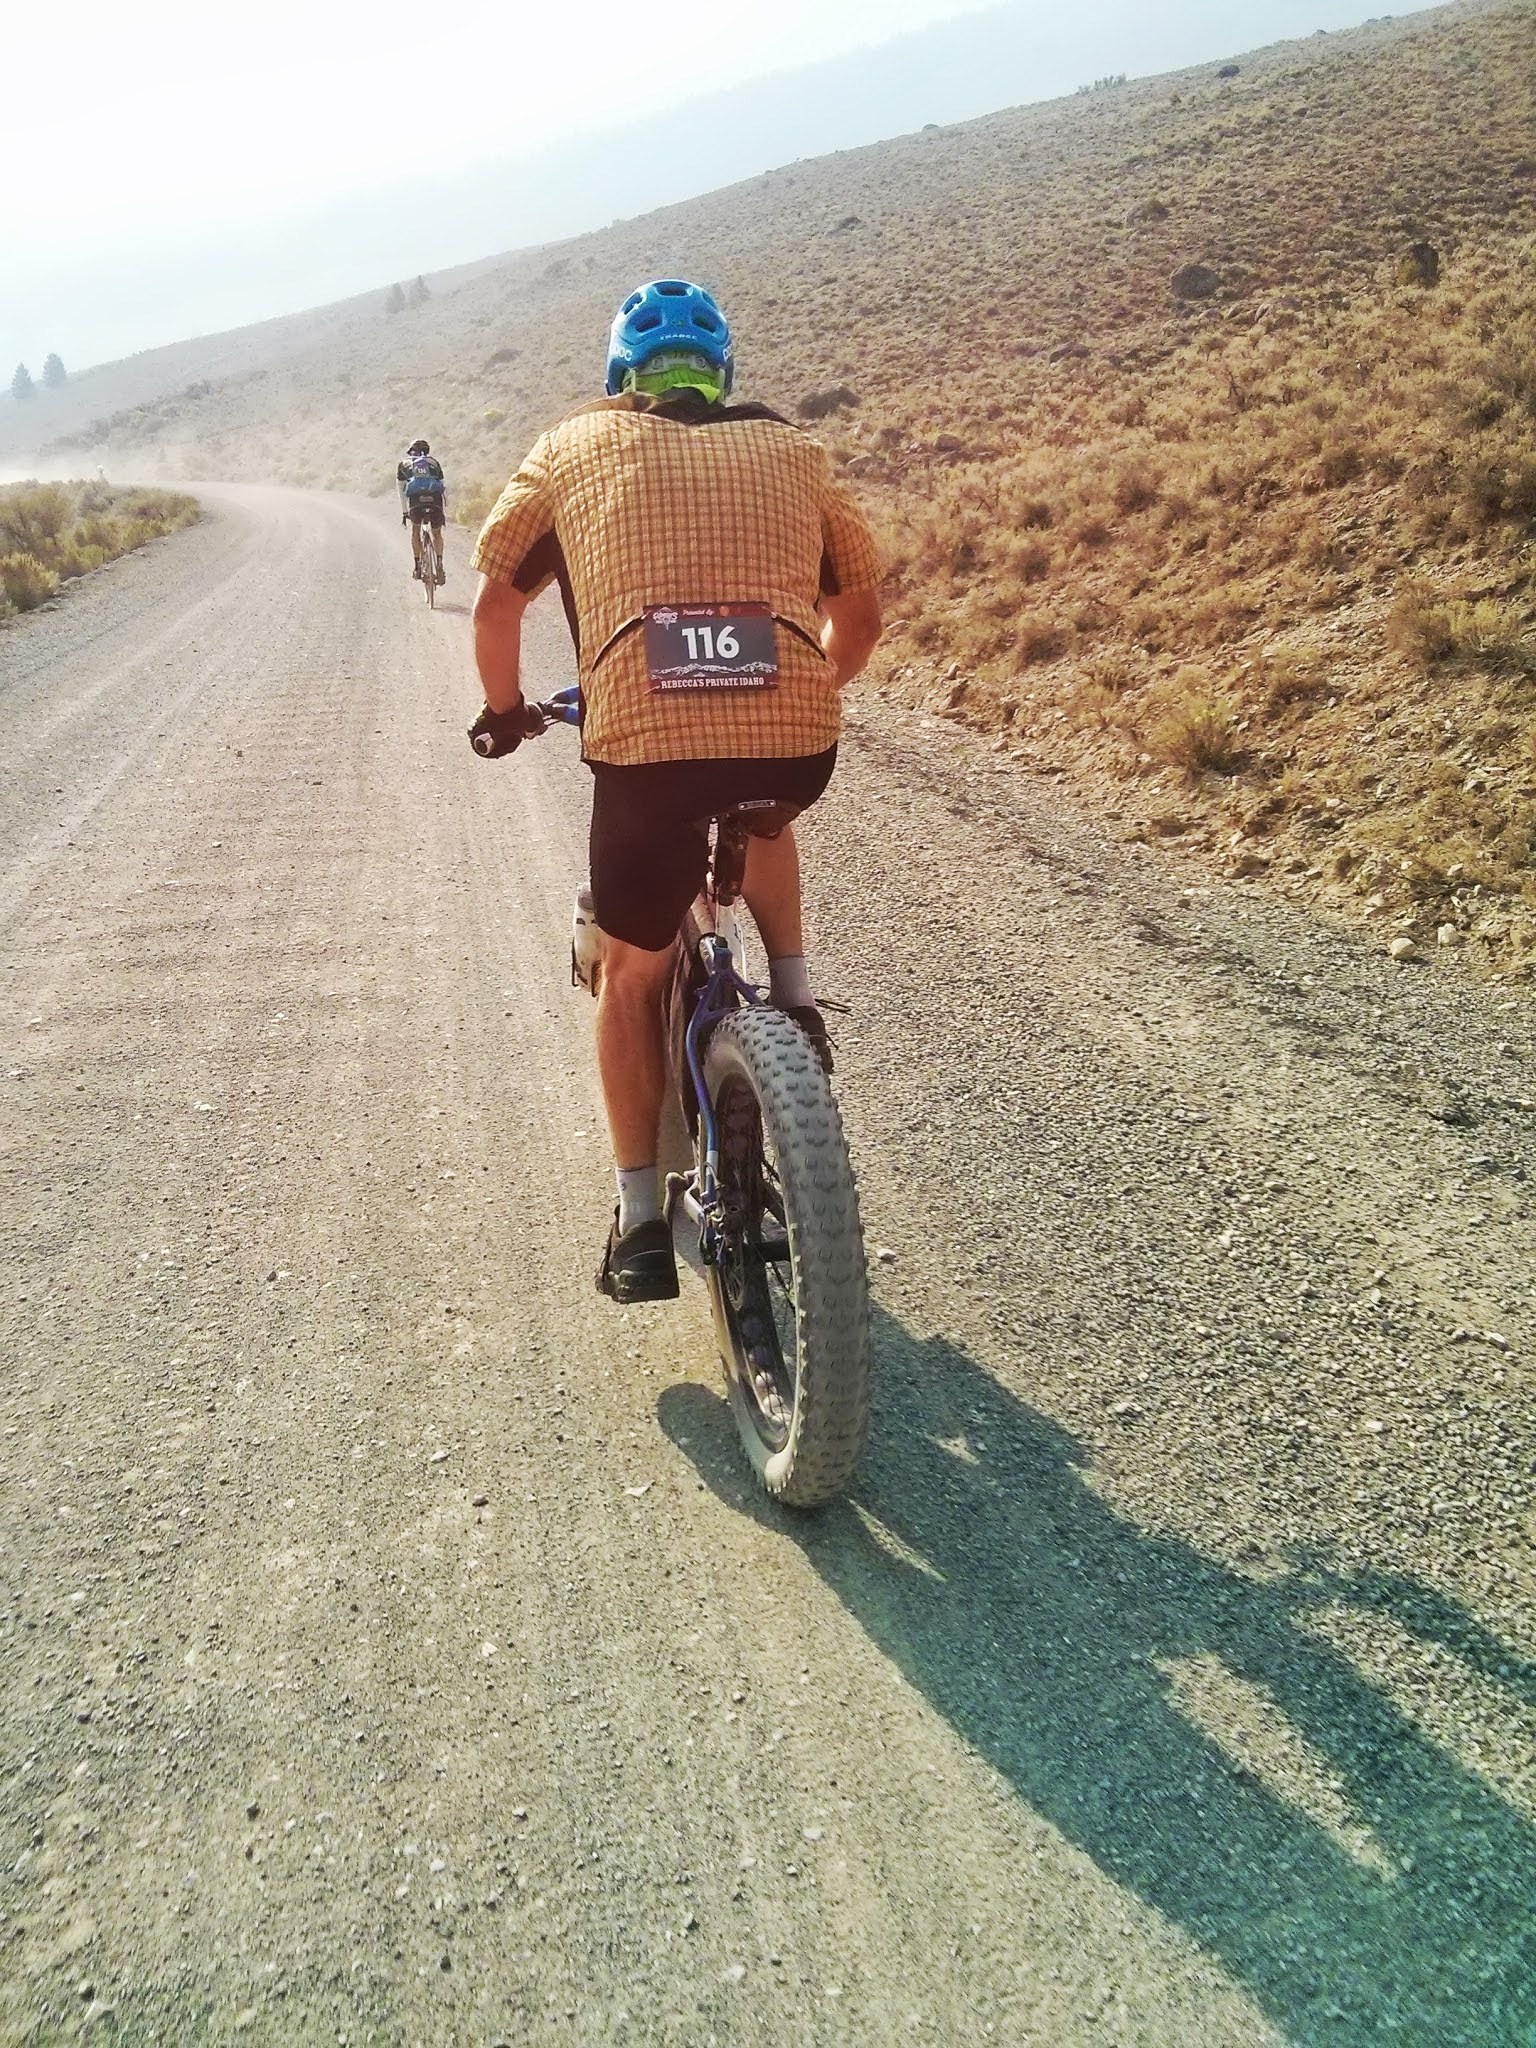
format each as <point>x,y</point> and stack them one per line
<point>820,405</point>
<point>1419,625</point>
<point>1340,463</point>
<point>75,559</point>
<point>32,516</point>
<point>1039,640</point>
<point>1174,510</point>
<point>1136,489</point>
<point>1151,623</point>
<point>1495,635</point>
<point>1114,672</point>
<point>1096,709</point>
<point>160,510</point>
<point>25,582</point>
<point>1193,727</point>
<point>1000,599</point>
<point>1031,563</point>
<point>1105,700</point>
<point>471,502</point>
<point>1496,485</point>
<point>1290,676</point>
<point>1430,630</point>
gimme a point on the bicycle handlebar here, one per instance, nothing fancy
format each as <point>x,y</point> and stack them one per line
<point>564,708</point>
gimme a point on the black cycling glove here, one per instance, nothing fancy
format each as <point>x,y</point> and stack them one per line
<point>495,733</point>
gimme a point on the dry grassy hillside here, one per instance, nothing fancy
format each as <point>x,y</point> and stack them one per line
<point>1250,557</point>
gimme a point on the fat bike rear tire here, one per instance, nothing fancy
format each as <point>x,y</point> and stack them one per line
<point>790,1291</point>
<point>429,569</point>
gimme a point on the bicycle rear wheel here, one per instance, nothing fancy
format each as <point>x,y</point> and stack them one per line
<point>429,565</point>
<point>790,1293</point>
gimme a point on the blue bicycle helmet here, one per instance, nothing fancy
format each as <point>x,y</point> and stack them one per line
<point>667,314</point>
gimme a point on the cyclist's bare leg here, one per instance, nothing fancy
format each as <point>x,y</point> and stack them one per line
<point>772,889</point>
<point>630,1056</point>
<point>416,543</point>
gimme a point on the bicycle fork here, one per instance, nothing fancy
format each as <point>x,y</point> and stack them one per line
<point>699,1191</point>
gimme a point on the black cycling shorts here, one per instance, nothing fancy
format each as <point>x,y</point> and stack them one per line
<point>428,509</point>
<point>649,840</point>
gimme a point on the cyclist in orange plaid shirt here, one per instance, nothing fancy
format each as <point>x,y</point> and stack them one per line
<point>675,522</point>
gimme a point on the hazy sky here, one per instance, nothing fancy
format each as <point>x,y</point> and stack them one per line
<point>192,167</point>
<point>180,111</point>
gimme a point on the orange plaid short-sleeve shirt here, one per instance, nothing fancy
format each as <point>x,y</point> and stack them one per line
<point>632,502</point>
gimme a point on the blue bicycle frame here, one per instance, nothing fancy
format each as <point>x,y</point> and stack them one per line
<point>721,993</point>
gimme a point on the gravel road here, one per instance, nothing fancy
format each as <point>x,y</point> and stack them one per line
<point>394,1649</point>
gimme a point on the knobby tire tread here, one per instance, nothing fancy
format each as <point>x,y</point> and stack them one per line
<point>831,1414</point>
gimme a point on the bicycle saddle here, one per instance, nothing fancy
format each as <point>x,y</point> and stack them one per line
<point>760,817</point>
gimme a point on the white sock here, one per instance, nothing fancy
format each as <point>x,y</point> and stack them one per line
<point>639,1196</point>
<point>789,982</point>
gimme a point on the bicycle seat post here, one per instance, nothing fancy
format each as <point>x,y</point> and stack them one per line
<point>728,865</point>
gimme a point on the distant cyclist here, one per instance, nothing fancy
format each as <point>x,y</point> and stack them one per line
<point>423,496</point>
<point>677,525</point>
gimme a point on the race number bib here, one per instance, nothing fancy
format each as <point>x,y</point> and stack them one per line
<point>711,647</point>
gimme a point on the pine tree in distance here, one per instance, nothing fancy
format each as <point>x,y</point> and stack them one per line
<point>54,372</point>
<point>21,384</point>
<point>419,293</point>
<point>394,300</point>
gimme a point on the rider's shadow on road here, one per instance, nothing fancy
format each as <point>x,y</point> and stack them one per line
<point>1079,1655</point>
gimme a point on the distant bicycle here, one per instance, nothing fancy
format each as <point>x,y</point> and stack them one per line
<point>771,1190</point>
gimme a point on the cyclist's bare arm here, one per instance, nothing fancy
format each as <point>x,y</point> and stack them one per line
<point>850,630</point>
<point>498,625</point>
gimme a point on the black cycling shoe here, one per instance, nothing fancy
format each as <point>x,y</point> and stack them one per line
<point>639,1266</point>
<point>814,1025</point>
<point>416,572</point>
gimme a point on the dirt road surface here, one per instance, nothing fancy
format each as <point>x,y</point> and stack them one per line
<point>394,1648</point>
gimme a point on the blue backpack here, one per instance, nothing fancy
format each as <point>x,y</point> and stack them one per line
<point>422,481</point>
